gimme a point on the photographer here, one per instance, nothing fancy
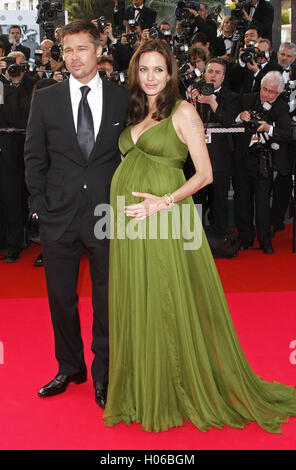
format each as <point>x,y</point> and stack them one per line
<point>111,45</point>
<point>14,37</point>
<point>223,43</point>
<point>146,17</point>
<point>216,104</point>
<point>260,150</point>
<point>282,185</point>
<point>260,13</point>
<point>14,114</point>
<point>202,23</point>
<point>254,62</point>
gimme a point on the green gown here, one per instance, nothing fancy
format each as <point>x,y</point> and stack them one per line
<point>174,353</point>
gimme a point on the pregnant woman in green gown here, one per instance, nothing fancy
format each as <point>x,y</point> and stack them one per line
<point>174,353</point>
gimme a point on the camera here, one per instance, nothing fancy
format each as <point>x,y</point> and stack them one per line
<point>14,70</point>
<point>189,78</point>
<point>204,88</point>
<point>237,13</point>
<point>102,23</point>
<point>38,58</point>
<point>290,86</point>
<point>154,32</point>
<point>256,116</point>
<point>55,52</point>
<point>48,11</point>
<point>65,74</point>
<point>118,77</point>
<point>181,12</point>
<point>132,37</point>
<point>264,154</point>
<point>250,53</point>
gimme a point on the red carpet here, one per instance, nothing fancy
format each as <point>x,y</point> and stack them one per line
<point>262,296</point>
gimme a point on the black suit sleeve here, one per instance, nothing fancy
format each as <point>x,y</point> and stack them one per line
<point>227,109</point>
<point>36,156</point>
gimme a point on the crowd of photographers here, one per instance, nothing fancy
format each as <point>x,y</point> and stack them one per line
<point>243,90</point>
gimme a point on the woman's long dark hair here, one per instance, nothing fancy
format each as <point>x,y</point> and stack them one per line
<point>138,107</point>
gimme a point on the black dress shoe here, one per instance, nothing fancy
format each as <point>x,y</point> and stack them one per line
<point>246,243</point>
<point>101,393</point>
<point>277,228</point>
<point>39,261</point>
<point>60,383</point>
<point>12,256</point>
<point>267,248</point>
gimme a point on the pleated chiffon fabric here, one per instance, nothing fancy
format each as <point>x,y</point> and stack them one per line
<point>174,352</point>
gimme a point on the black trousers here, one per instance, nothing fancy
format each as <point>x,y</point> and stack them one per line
<point>215,198</point>
<point>282,191</point>
<point>13,193</point>
<point>62,259</point>
<point>252,194</point>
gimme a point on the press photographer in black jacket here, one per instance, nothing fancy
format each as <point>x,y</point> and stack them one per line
<point>14,114</point>
<point>259,151</point>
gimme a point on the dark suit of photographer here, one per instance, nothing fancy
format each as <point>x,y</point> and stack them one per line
<point>261,15</point>
<point>13,193</point>
<point>145,16</point>
<point>283,185</point>
<point>249,182</point>
<point>246,77</point>
<point>221,108</point>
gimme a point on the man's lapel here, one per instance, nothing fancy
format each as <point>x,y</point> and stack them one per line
<point>66,114</point>
<point>102,129</point>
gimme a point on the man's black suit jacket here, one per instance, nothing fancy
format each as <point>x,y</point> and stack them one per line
<point>25,50</point>
<point>56,171</point>
<point>279,117</point>
<point>146,18</point>
<point>242,80</point>
<point>263,18</point>
<point>220,146</point>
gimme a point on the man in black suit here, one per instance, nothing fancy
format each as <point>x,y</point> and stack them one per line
<point>71,154</point>
<point>15,34</point>
<point>282,185</point>
<point>254,174</point>
<point>220,107</point>
<point>261,13</point>
<point>202,22</point>
<point>246,77</point>
<point>145,16</point>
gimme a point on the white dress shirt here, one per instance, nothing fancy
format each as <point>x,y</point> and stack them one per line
<point>94,98</point>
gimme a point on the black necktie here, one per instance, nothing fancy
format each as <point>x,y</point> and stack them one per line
<point>85,124</point>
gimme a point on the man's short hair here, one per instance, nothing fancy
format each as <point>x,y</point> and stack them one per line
<point>274,76</point>
<point>17,54</point>
<point>260,41</point>
<point>259,32</point>
<point>288,45</point>
<point>15,26</point>
<point>217,60</point>
<point>200,37</point>
<point>105,58</point>
<point>81,26</point>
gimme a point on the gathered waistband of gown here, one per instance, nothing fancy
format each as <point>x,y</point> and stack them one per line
<point>173,163</point>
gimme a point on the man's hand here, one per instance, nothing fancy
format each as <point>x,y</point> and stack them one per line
<point>208,99</point>
<point>108,30</point>
<point>58,76</point>
<point>245,116</point>
<point>253,66</point>
<point>246,16</point>
<point>264,127</point>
